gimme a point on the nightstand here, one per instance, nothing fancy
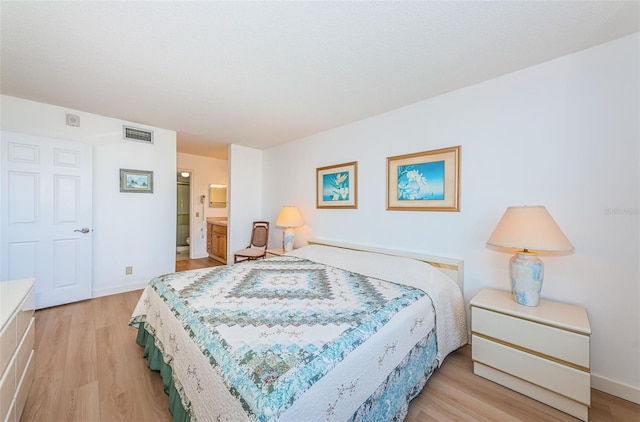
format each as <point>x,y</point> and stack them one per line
<point>275,252</point>
<point>541,352</point>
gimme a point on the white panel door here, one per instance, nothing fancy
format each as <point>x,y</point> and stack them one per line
<point>47,216</point>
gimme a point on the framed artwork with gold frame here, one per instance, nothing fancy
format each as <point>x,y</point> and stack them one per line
<point>337,186</point>
<point>424,181</point>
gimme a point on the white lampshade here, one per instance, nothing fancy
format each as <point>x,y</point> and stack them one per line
<point>529,228</point>
<point>289,217</point>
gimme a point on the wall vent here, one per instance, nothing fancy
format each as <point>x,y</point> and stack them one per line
<point>136,134</point>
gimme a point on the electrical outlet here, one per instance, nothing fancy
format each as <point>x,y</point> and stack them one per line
<point>128,270</point>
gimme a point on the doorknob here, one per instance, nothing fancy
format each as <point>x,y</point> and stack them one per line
<point>84,230</point>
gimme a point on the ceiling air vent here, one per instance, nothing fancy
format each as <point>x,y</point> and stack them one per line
<point>136,134</point>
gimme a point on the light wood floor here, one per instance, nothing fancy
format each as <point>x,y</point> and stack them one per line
<point>194,264</point>
<point>89,369</point>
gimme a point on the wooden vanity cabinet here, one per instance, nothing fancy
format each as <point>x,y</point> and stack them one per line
<point>217,241</point>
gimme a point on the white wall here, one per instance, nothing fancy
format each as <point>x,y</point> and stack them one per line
<point>245,196</point>
<point>564,134</point>
<point>205,171</point>
<point>130,229</point>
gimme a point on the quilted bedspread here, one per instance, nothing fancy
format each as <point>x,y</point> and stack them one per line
<point>246,341</point>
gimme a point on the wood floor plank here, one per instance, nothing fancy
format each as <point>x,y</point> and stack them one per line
<point>194,264</point>
<point>44,396</point>
<point>89,368</point>
<point>118,401</point>
<point>77,405</point>
<point>81,364</point>
<point>149,390</point>
<point>491,400</point>
<point>611,408</point>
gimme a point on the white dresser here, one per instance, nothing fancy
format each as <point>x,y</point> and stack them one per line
<point>17,337</point>
<point>541,351</point>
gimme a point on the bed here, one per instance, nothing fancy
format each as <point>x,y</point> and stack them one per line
<point>326,332</point>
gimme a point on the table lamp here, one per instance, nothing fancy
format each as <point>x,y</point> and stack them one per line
<point>527,230</point>
<point>289,218</point>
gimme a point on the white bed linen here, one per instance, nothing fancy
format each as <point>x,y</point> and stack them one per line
<point>340,392</point>
<point>447,298</point>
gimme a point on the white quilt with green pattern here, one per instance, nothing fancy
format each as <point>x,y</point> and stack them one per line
<point>285,338</point>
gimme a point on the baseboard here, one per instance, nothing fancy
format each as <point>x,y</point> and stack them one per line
<point>615,388</point>
<point>120,289</point>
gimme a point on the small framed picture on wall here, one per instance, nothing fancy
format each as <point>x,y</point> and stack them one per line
<point>138,181</point>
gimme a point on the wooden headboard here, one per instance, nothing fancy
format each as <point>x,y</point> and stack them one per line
<point>451,267</point>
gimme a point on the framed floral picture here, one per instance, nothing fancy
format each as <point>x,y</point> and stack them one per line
<point>337,186</point>
<point>140,181</point>
<point>424,181</point>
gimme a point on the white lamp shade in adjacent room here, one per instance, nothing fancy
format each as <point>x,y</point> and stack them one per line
<point>289,218</point>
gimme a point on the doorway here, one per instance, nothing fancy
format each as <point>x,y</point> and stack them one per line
<point>183,214</point>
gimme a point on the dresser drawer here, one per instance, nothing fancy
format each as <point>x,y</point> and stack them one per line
<point>543,339</point>
<point>11,415</point>
<point>25,348</point>
<point>25,385</point>
<point>17,338</point>
<point>8,342</point>
<point>25,313</point>
<point>564,380</point>
<point>7,388</point>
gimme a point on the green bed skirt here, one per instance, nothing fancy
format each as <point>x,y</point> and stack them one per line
<point>156,363</point>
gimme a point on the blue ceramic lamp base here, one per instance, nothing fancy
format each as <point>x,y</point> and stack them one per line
<point>526,272</point>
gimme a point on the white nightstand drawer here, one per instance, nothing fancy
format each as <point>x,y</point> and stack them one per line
<point>553,342</point>
<point>569,382</point>
<point>572,407</point>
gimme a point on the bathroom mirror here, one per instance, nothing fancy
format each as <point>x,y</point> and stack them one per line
<point>217,196</point>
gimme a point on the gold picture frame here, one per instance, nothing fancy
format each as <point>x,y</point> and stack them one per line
<point>337,186</point>
<point>424,181</point>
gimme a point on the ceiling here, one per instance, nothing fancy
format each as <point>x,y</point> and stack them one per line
<point>260,74</point>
